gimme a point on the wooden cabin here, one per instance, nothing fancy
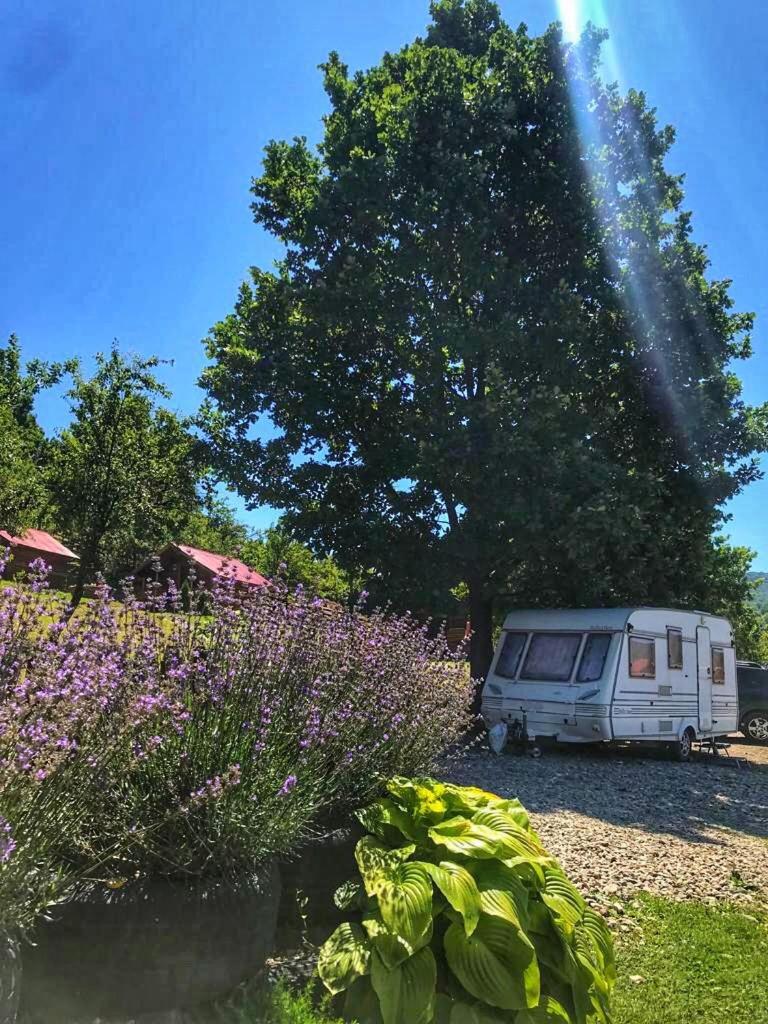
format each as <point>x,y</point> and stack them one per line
<point>37,544</point>
<point>176,562</point>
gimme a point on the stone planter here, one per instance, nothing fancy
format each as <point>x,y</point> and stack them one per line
<point>10,979</point>
<point>149,948</point>
<point>313,876</point>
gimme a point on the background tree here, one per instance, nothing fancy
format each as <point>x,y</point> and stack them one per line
<point>24,450</point>
<point>215,527</point>
<point>277,554</point>
<point>124,468</point>
<point>725,588</point>
<point>490,351</point>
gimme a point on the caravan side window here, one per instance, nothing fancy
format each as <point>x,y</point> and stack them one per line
<point>593,659</point>
<point>718,665</point>
<point>509,658</point>
<point>642,657</point>
<point>674,648</point>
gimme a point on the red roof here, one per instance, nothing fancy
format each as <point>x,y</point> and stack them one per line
<point>219,565</point>
<point>38,540</point>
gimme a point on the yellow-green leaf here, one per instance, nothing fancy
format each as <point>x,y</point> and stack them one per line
<point>343,957</point>
<point>466,838</point>
<point>549,1011</point>
<point>405,901</point>
<point>407,992</point>
<point>459,888</point>
<point>496,964</point>
<point>376,861</point>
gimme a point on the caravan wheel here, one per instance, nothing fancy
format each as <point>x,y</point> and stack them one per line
<point>682,748</point>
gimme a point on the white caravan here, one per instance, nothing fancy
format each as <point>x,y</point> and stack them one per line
<point>605,674</point>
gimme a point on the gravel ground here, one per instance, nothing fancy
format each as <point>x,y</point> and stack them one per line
<point>625,821</point>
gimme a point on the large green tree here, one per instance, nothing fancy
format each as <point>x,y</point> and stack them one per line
<point>125,470</point>
<point>24,450</point>
<point>490,351</point>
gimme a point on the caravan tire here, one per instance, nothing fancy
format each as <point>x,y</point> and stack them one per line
<point>682,748</point>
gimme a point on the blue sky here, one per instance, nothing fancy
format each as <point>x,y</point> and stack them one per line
<point>130,131</point>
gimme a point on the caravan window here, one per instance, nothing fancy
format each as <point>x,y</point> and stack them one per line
<point>674,648</point>
<point>718,665</point>
<point>551,656</point>
<point>509,658</point>
<point>593,659</point>
<point>642,657</point>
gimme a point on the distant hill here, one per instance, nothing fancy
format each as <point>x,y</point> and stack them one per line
<point>761,592</point>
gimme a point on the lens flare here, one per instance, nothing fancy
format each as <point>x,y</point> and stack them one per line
<point>634,261</point>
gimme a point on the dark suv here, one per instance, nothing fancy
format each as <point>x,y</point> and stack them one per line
<point>753,700</point>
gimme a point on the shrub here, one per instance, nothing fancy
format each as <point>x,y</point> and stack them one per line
<point>277,1005</point>
<point>197,745</point>
<point>462,917</point>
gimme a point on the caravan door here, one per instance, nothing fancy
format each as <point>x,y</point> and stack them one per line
<point>704,662</point>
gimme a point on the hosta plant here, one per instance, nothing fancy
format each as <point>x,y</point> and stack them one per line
<point>460,916</point>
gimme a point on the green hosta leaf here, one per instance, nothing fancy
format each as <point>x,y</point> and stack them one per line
<point>405,902</point>
<point>529,869</point>
<point>563,899</point>
<point>502,893</point>
<point>501,904</point>
<point>589,1007</point>
<point>376,861</point>
<point>388,822</point>
<point>361,1003</point>
<point>349,896</point>
<point>549,1011</point>
<point>468,799</point>
<point>343,957</point>
<point>516,812</point>
<point>392,948</point>
<point>459,888</point>
<point>600,936</point>
<point>589,960</point>
<point>407,992</point>
<point>466,1013</point>
<point>519,841</point>
<point>551,952</point>
<point>496,964</point>
<point>468,839</point>
<point>443,1006</point>
<point>422,798</point>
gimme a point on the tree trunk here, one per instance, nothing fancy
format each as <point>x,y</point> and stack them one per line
<point>80,581</point>
<point>481,643</point>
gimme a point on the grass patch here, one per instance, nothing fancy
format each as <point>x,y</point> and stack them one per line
<point>697,962</point>
<point>278,1005</point>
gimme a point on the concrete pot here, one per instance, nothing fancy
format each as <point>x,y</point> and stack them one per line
<point>152,947</point>
<point>310,880</point>
<point>10,978</point>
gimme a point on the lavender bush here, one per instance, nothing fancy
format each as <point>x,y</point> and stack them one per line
<point>135,742</point>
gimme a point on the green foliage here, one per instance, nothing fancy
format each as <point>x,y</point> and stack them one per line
<point>24,497</point>
<point>215,527</point>
<point>760,594</point>
<point>463,918</point>
<point>276,1005</point>
<point>277,554</point>
<point>723,585</point>
<point>692,962</point>
<point>124,469</point>
<point>482,363</point>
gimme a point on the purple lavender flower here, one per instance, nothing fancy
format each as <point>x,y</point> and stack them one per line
<point>287,786</point>
<point>7,842</point>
